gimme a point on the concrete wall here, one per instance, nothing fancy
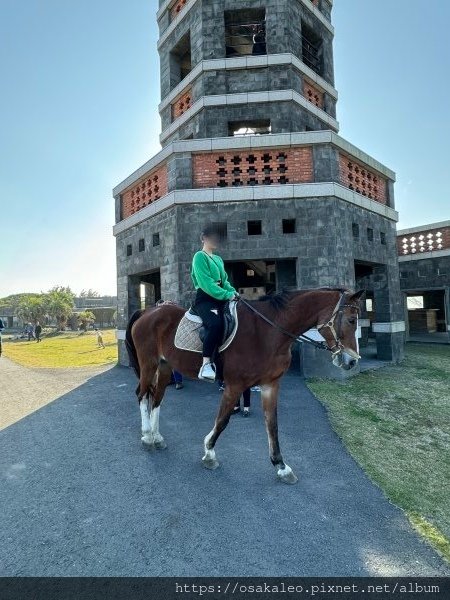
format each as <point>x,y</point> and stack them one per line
<point>425,273</point>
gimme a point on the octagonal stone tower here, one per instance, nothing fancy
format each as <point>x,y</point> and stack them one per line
<point>249,137</point>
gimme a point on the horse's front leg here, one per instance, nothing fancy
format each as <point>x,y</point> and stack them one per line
<point>269,397</point>
<point>230,395</point>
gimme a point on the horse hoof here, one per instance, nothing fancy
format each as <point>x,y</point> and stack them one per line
<point>210,463</point>
<point>287,475</point>
<point>160,445</point>
<point>148,441</point>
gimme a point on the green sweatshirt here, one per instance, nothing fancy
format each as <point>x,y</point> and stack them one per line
<point>208,273</point>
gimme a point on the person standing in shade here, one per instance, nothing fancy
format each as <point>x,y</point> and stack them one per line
<point>213,291</point>
<point>37,331</point>
<point>177,379</point>
<point>29,331</point>
<point>246,394</point>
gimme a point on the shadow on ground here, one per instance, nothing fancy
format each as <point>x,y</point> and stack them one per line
<point>80,496</point>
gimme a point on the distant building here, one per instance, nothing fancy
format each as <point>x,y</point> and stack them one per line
<point>103,307</point>
<point>424,262</point>
<point>8,317</point>
<point>83,303</point>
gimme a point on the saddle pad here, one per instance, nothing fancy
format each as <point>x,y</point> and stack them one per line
<point>187,336</point>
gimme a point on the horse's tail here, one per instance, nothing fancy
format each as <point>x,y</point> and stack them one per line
<point>129,344</point>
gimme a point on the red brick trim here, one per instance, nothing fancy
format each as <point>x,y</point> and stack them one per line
<point>313,94</point>
<point>153,187</point>
<point>362,180</point>
<point>424,241</point>
<point>177,8</point>
<point>182,104</point>
<point>263,167</point>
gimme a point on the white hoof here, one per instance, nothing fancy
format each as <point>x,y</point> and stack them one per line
<point>148,440</point>
<point>287,475</point>
<point>210,463</point>
<point>159,442</point>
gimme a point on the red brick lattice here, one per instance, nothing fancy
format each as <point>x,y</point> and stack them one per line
<point>313,94</point>
<point>265,167</point>
<point>182,104</point>
<point>153,187</point>
<point>362,180</point>
<point>177,8</point>
<point>424,241</point>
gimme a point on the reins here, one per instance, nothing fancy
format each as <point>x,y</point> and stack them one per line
<point>338,310</point>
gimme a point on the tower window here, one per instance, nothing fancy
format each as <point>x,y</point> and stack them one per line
<point>370,234</point>
<point>141,245</point>
<point>254,227</point>
<point>243,128</point>
<point>355,230</point>
<point>312,54</point>
<point>245,32</point>
<point>289,226</point>
<point>180,60</point>
<point>129,249</point>
<point>382,238</point>
<point>156,241</point>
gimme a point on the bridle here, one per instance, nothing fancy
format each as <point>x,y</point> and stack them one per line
<point>337,313</point>
<point>330,324</point>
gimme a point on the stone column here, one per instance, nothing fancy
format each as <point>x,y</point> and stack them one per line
<point>447,310</point>
<point>389,326</point>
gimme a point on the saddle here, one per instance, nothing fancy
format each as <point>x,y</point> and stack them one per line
<point>191,332</point>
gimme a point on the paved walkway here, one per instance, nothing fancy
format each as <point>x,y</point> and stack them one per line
<point>80,496</point>
<point>24,390</point>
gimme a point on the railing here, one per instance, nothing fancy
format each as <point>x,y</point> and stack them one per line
<point>310,55</point>
<point>245,39</point>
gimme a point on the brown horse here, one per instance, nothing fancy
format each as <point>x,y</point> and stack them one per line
<point>259,354</point>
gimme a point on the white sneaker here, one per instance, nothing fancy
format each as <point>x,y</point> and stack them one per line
<point>208,372</point>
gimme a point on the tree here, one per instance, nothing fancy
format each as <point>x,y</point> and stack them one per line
<point>89,294</point>
<point>72,322</point>
<point>86,318</point>
<point>32,308</point>
<point>59,303</point>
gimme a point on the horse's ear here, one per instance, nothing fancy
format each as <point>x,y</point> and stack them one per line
<point>358,296</point>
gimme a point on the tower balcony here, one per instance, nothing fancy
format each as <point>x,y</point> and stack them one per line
<point>297,165</point>
<point>172,12</point>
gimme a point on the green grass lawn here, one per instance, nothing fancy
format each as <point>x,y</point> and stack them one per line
<point>65,349</point>
<point>395,422</point>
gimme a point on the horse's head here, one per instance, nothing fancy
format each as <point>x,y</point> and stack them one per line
<point>339,329</point>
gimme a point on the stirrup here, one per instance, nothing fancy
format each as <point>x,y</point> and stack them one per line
<point>208,372</point>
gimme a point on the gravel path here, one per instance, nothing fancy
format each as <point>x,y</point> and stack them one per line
<point>23,390</point>
<point>80,496</point>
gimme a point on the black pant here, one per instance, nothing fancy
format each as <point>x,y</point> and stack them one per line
<point>211,312</point>
<point>246,395</point>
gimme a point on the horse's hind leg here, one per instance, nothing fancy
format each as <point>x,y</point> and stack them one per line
<point>163,377</point>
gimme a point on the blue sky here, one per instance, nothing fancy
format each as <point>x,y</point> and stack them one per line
<point>78,113</point>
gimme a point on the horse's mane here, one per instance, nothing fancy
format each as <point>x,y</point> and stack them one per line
<point>279,301</point>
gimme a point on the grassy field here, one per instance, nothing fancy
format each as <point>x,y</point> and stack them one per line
<point>395,422</point>
<point>66,349</point>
